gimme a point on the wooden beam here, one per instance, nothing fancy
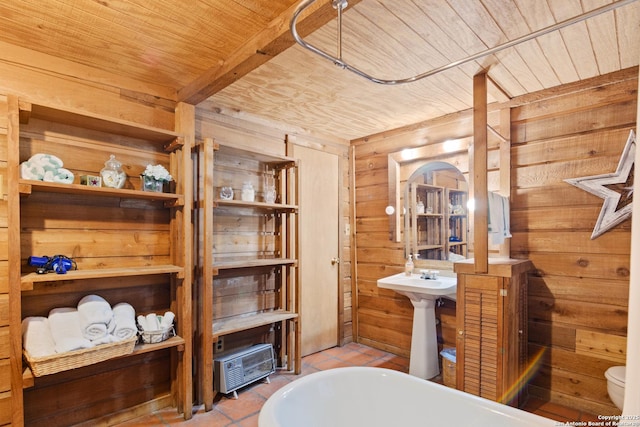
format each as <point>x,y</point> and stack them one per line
<point>271,41</point>
<point>481,234</point>
<point>14,261</point>
<point>505,168</point>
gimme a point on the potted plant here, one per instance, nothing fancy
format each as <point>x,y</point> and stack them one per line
<point>154,177</point>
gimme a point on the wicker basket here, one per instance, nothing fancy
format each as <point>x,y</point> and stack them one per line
<point>59,362</point>
<point>154,337</point>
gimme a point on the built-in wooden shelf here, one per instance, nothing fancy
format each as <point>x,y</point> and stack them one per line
<point>237,324</point>
<point>427,247</point>
<point>169,139</point>
<point>28,379</point>
<point>27,187</point>
<point>256,205</point>
<point>29,279</point>
<point>168,343</point>
<point>270,159</point>
<point>248,263</point>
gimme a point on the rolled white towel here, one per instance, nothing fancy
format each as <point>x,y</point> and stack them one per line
<point>142,321</point>
<point>64,324</point>
<point>152,322</point>
<point>125,319</point>
<point>36,336</point>
<point>95,316</point>
<point>167,320</point>
<point>105,340</point>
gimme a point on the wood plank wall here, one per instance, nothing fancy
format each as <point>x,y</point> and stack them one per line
<point>5,341</point>
<point>578,295</point>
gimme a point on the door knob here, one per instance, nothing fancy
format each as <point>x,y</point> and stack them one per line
<point>335,261</point>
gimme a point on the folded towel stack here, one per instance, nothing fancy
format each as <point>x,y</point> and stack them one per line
<point>92,322</point>
<point>45,167</point>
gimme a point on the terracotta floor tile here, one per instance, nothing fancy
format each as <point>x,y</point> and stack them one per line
<point>278,380</point>
<point>251,421</point>
<point>247,403</point>
<point>332,363</point>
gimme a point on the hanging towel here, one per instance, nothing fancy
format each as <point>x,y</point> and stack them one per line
<point>95,316</point>
<point>498,218</point>
<point>64,324</point>
<point>36,337</point>
<point>125,321</point>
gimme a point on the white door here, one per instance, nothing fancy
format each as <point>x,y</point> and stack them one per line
<point>319,213</point>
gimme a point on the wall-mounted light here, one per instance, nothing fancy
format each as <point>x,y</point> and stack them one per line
<point>408,154</point>
<point>471,205</point>
<point>451,145</point>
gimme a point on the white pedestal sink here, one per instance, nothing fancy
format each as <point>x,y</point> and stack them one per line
<point>423,293</point>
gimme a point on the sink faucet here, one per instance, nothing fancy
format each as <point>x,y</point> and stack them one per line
<point>429,274</point>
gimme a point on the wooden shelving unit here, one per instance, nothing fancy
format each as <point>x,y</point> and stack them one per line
<point>250,247</point>
<point>129,245</point>
<point>427,225</point>
<point>457,222</point>
<point>432,226</point>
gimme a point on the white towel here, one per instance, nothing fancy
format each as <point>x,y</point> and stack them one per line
<point>36,336</point>
<point>125,320</point>
<point>142,321</point>
<point>95,316</point>
<point>64,324</point>
<point>167,320</point>
<point>498,218</point>
<point>152,322</point>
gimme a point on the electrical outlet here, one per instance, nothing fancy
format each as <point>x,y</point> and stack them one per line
<point>220,344</point>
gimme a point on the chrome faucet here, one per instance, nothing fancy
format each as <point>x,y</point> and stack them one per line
<point>429,274</point>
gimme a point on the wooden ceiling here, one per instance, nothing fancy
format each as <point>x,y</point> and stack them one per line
<point>239,57</point>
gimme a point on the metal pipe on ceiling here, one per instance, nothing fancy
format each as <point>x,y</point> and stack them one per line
<point>342,4</point>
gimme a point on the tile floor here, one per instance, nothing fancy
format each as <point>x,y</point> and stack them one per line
<point>228,412</point>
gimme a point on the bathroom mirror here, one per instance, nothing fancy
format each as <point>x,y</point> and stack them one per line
<point>409,166</point>
<point>436,220</point>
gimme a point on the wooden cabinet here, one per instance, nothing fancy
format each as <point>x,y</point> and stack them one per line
<point>248,252</point>
<point>491,313</point>
<point>129,245</point>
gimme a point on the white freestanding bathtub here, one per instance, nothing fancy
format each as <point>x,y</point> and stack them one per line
<point>377,397</point>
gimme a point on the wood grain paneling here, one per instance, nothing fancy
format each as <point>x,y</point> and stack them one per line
<point>578,292</point>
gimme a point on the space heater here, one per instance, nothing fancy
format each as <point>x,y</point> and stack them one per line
<point>238,369</point>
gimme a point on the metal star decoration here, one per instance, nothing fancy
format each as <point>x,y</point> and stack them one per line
<point>615,188</point>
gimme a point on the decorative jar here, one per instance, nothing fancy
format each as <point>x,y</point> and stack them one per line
<point>112,174</point>
<point>226,193</point>
<point>270,195</point>
<point>248,193</point>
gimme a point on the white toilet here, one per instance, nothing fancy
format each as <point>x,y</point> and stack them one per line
<point>615,384</point>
